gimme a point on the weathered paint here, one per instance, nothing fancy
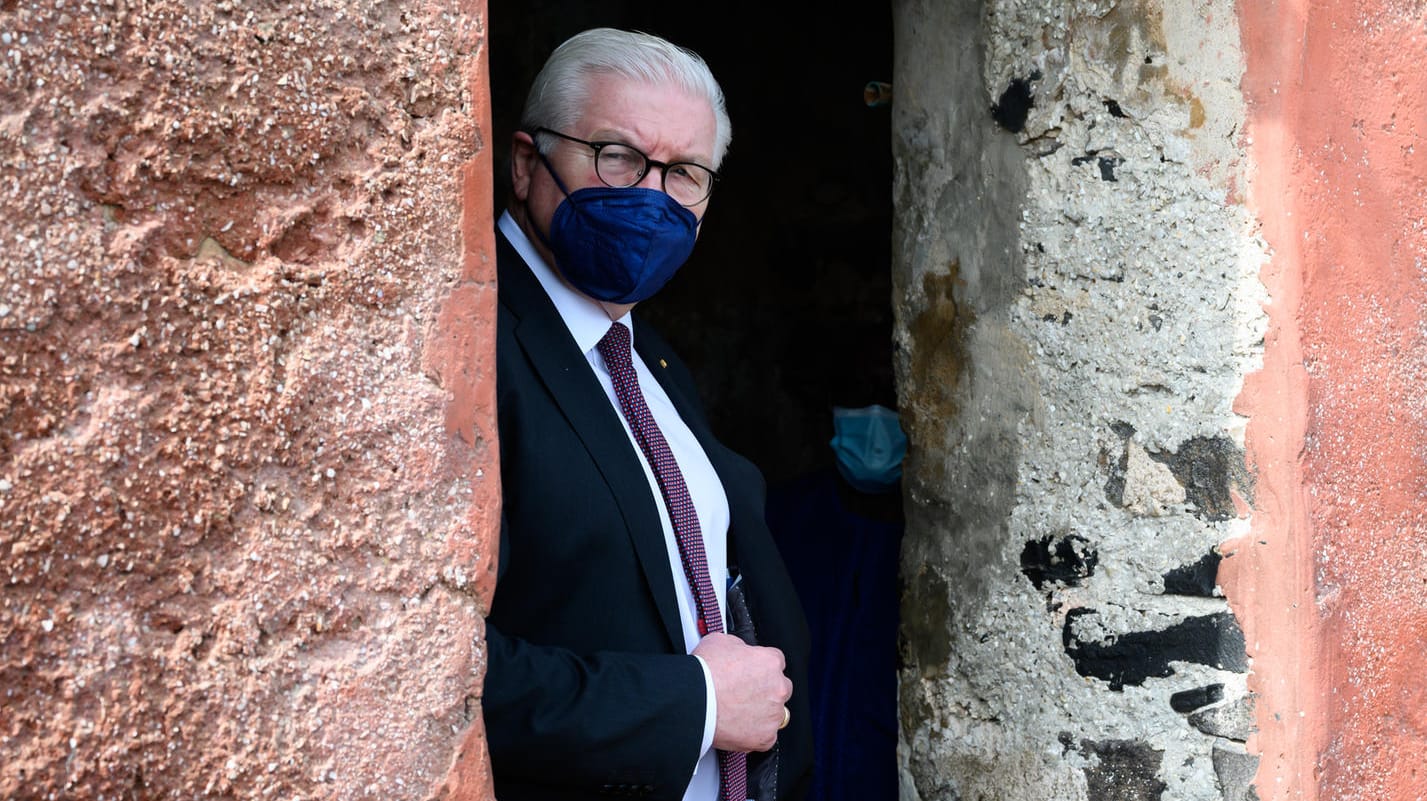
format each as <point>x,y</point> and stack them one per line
<point>1330,584</point>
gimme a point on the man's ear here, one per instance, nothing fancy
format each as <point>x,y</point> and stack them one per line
<point>523,162</point>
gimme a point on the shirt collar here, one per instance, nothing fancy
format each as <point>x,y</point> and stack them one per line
<point>584,317</point>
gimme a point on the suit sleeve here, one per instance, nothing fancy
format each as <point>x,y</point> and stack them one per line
<point>556,717</point>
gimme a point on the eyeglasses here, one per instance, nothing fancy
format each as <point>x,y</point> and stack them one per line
<point>622,166</point>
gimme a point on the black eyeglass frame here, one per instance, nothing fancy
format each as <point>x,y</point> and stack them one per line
<point>662,166</point>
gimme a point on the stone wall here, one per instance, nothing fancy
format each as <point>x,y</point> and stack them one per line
<point>247,470</point>
<point>1078,302</point>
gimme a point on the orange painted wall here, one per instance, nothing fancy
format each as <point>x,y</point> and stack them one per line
<point>1332,585</point>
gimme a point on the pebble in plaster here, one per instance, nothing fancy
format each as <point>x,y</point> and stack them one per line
<point>1232,720</point>
<point>1150,487</point>
<point>1235,767</point>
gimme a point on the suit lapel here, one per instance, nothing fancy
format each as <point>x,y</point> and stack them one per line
<point>566,373</point>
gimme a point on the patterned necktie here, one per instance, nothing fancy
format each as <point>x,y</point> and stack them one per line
<point>614,347</point>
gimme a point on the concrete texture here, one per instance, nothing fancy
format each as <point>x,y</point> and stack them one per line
<point>1078,301</point>
<point>247,469</point>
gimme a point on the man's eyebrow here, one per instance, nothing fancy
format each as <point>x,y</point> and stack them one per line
<point>613,135</point>
<point>623,138</point>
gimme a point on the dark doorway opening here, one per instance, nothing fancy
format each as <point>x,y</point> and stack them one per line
<point>785,308</point>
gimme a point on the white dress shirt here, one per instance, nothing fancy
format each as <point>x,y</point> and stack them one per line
<point>588,323</point>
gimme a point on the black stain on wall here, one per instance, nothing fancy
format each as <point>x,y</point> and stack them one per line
<point>1124,770</point>
<point>1186,701</point>
<point>1209,468</point>
<point>925,640</point>
<point>1130,658</point>
<point>1065,560</point>
<point>1011,111</point>
<point>1198,579</point>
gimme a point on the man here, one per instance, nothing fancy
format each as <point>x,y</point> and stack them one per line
<point>632,542</point>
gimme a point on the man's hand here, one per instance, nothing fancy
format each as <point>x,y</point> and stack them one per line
<point>751,690</point>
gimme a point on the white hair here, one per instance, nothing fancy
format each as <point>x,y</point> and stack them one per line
<point>559,93</point>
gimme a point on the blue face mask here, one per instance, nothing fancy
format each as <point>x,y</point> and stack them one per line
<point>619,245</point>
<point>869,445</point>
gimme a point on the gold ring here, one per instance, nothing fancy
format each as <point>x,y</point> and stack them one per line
<point>787,716</point>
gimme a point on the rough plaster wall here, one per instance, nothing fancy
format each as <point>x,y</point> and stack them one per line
<point>1338,112</point>
<point>245,525</point>
<point>1078,303</point>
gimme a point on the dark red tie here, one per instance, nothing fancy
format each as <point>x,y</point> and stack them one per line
<point>614,347</point>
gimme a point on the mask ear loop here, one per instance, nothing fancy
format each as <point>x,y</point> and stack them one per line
<point>550,168</point>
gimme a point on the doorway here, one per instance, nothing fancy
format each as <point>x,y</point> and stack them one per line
<point>784,310</point>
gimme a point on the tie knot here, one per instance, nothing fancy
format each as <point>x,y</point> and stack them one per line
<point>614,346</point>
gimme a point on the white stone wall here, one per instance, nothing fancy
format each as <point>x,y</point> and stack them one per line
<point>1078,303</point>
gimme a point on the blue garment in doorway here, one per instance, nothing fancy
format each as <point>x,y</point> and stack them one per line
<point>842,549</point>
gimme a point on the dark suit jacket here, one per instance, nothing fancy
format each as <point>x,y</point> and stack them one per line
<point>588,689</point>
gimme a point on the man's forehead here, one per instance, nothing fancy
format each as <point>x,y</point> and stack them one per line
<point>669,103</point>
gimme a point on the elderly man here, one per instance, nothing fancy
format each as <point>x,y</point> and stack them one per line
<point>644,638</point>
